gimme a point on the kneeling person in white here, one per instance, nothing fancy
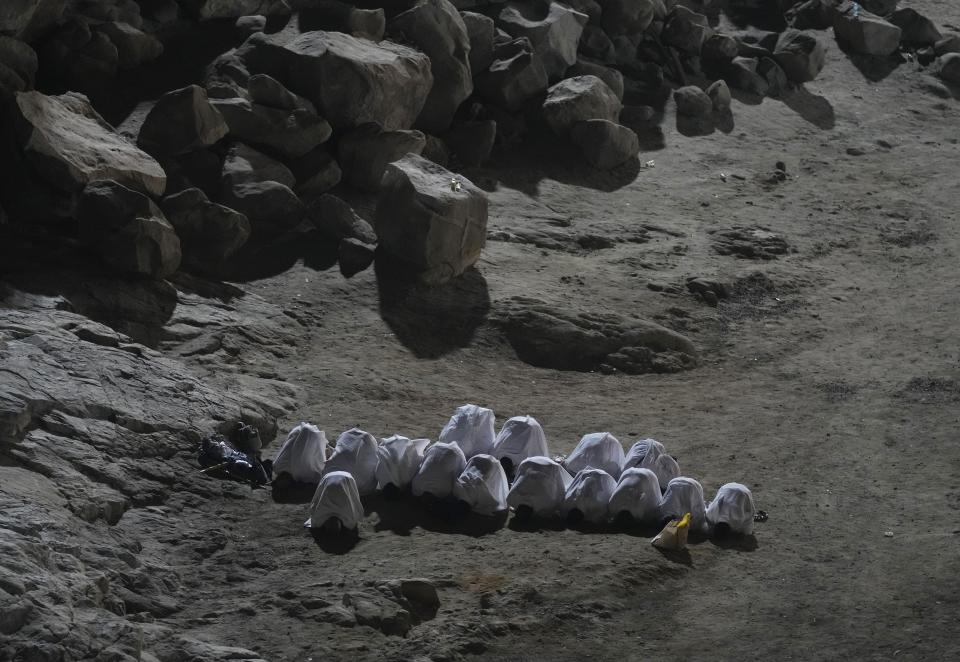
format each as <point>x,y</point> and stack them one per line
<point>482,485</point>
<point>302,455</point>
<point>356,453</point>
<point>520,437</point>
<point>597,450</point>
<point>684,495</point>
<point>539,488</point>
<point>442,464</point>
<point>636,498</point>
<point>732,510</point>
<point>399,462</point>
<point>336,504</point>
<point>588,497</point>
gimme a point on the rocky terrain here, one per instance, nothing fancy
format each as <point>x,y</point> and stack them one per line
<point>731,226</point>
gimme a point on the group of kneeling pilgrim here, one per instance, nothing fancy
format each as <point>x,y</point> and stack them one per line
<point>487,473</point>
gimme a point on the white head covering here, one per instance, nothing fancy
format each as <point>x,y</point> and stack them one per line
<point>590,493</point>
<point>472,428</point>
<point>685,495</point>
<point>650,454</point>
<point>336,496</point>
<point>520,437</point>
<point>356,453</point>
<point>400,460</point>
<point>541,485</point>
<point>442,464</point>
<point>638,493</point>
<point>303,454</point>
<point>482,485</point>
<point>733,505</point>
<point>597,450</point>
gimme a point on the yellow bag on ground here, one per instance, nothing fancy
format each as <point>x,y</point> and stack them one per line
<point>674,534</point>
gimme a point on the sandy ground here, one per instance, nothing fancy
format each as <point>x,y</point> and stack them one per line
<point>832,390</point>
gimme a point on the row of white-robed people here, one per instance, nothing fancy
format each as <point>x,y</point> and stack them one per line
<point>598,482</point>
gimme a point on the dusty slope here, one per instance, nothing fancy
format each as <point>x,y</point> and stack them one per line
<point>832,390</point>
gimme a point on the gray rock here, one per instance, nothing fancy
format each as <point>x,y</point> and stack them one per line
<point>290,133</point>
<point>70,145</point>
<point>354,256</point>
<point>800,54</point>
<point>472,142</point>
<point>719,94</point>
<point>742,74</point>
<point>916,29</point>
<point>351,81</point>
<point>128,230</point>
<point>554,37</point>
<point>437,151</point>
<point>719,48</point>
<point>431,219</point>
<point>21,59</point>
<point>810,15</point>
<point>379,613</point>
<point>610,76</point>
<point>605,144</point>
<point>545,336</point>
<point>879,7</point>
<point>209,233</point>
<point>515,77</point>
<point>248,25</point>
<point>686,30</point>
<point>436,28</point>
<point>627,17</point>
<point>268,91</point>
<point>692,101</point>
<point>595,43</point>
<point>751,242</point>
<point>83,58</point>
<point>948,68</point>
<point>865,33</point>
<point>776,77</point>
<point>28,19</point>
<point>578,99</point>
<point>949,44</point>
<point>181,121</point>
<point>134,47</point>
<point>208,9</point>
<point>365,152</point>
<point>337,219</point>
<point>260,188</point>
<point>480,30</point>
<point>317,172</point>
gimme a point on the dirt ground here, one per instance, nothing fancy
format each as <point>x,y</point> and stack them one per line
<point>830,386</point>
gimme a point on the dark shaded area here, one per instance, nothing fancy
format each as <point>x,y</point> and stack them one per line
<point>736,542</point>
<point>430,321</point>
<point>811,107</point>
<point>338,544</point>
<point>263,258</point>
<point>401,514</point>
<point>704,126</point>
<point>874,67</point>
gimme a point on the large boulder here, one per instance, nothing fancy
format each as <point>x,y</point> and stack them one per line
<point>71,145</point>
<point>916,28</point>
<point>79,57</point>
<point>554,36</point>
<point>515,77</point>
<point>550,337</point>
<point>134,47</point>
<point>291,133</point>
<point>686,30</point>
<point>208,9</point>
<point>948,68</point>
<point>605,144</point>
<point>862,32</point>
<point>609,75</point>
<point>627,17</point>
<point>27,19</point>
<point>18,58</point>
<point>431,219</point>
<point>436,28</point>
<point>800,54</point>
<point>128,230</point>
<point>579,99</point>
<point>181,121</point>
<point>351,81</point>
<point>337,219</point>
<point>480,30</point>
<point>317,172</point>
<point>692,101</point>
<point>261,189</point>
<point>365,152</point>
<point>209,233</point>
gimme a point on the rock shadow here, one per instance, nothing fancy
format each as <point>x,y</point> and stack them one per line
<point>875,67</point>
<point>736,542</point>
<point>266,257</point>
<point>704,126</point>
<point>401,514</point>
<point>813,108</point>
<point>430,321</point>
